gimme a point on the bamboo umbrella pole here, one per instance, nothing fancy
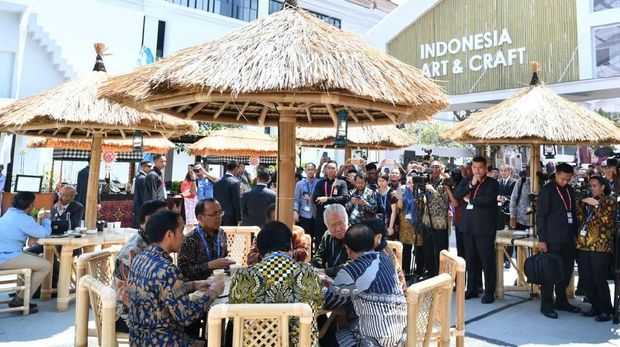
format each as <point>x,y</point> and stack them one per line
<point>534,167</point>
<point>52,177</point>
<point>347,153</point>
<point>286,165</point>
<point>93,181</point>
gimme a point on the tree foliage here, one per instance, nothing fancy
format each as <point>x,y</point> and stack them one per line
<point>429,133</point>
<point>613,116</point>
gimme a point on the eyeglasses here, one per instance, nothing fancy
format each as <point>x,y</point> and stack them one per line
<point>216,214</point>
<point>338,225</point>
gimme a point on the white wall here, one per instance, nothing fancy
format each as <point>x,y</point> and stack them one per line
<point>586,21</point>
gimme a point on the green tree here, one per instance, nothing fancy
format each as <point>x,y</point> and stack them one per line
<point>613,116</point>
<point>429,133</point>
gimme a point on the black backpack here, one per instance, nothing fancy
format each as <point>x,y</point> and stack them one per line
<point>544,268</point>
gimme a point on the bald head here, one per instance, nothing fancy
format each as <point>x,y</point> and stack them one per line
<point>66,195</point>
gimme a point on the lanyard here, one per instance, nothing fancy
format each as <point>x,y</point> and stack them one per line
<point>336,258</point>
<point>478,187</point>
<point>384,200</point>
<point>570,201</point>
<point>310,188</point>
<point>218,243</point>
<point>331,192</point>
<point>590,210</point>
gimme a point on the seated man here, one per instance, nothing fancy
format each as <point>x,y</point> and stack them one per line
<point>300,250</point>
<point>331,254</point>
<point>370,284</point>
<point>292,282</point>
<point>15,227</point>
<point>159,299</point>
<point>136,245</point>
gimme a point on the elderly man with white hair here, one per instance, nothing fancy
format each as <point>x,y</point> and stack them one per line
<point>331,255</point>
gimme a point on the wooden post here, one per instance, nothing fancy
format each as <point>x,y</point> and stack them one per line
<point>534,167</point>
<point>92,189</point>
<point>347,153</point>
<point>286,165</point>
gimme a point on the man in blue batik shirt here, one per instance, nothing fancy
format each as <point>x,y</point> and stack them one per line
<point>204,186</point>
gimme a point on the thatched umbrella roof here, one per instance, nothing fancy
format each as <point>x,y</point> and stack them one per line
<point>535,115</point>
<point>150,144</point>
<point>234,142</point>
<point>287,59</point>
<point>382,137</point>
<point>73,110</point>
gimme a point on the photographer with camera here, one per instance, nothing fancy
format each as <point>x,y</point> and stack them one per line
<point>478,224</point>
<point>596,217</point>
<point>364,203</point>
<point>556,225</point>
<point>610,171</point>
<point>438,196</point>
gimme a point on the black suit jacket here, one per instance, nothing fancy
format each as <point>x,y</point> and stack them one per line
<point>336,190</point>
<point>551,219</point>
<point>75,211</point>
<point>506,190</point>
<point>227,192</point>
<point>154,187</point>
<point>138,192</point>
<point>481,219</point>
<point>254,205</point>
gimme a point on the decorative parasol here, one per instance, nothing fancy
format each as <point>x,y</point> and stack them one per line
<point>72,110</point>
<point>236,141</point>
<point>284,69</point>
<point>535,116</point>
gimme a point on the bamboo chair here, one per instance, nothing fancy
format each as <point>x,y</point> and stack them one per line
<point>239,242</point>
<point>97,264</point>
<point>453,265</point>
<point>424,300</point>
<point>102,300</point>
<point>21,282</point>
<point>397,248</point>
<point>260,324</point>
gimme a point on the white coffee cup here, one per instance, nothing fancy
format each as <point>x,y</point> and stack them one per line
<point>117,226</point>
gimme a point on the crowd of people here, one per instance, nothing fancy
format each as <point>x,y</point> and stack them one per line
<point>351,212</point>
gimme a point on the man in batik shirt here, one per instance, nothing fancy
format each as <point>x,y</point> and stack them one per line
<point>368,285</point>
<point>160,304</point>
<point>136,245</point>
<point>277,278</point>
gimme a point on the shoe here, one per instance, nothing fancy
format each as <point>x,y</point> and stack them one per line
<point>480,290</point>
<point>506,264</point>
<point>550,313</point>
<point>470,295</point>
<point>603,317</point>
<point>32,307</point>
<point>585,300</point>
<point>591,313</point>
<point>580,292</point>
<point>488,299</point>
<point>567,307</point>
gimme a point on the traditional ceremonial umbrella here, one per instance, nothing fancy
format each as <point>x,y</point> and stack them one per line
<point>73,110</point>
<point>381,137</point>
<point>284,69</point>
<point>235,141</point>
<point>535,116</point>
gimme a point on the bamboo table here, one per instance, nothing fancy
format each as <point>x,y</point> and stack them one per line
<point>67,246</point>
<point>504,238</point>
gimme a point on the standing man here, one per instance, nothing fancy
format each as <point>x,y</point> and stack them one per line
<point>138,189</point>
<point>610,170</point>
<point>227,190</point>
<point>371,176</point>
<point>255,201</point>
<point>556,223</point>
<point>82,187</point>
<point>154,186</point>
<point>244,178</point>
<point>204,186</point>
<point>506,186</point>
<point>328,190</point>
<point>303,204</point>
<point>478,224</point>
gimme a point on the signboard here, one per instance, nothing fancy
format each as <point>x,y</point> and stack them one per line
<point>485,45</point>
<point>108,157</point>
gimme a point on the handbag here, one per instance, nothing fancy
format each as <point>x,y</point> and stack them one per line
<point>544,268</point>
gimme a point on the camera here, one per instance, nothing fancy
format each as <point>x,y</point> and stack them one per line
<point>421,178</point>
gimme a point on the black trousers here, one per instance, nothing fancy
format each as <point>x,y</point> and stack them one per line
<point>460,242</point>
<point>510,249</point>
<point>435,240</point>
<point>566,251</point>
<point>407,253</point>
<point>480,253</point>
<point>593,268</point>
<point>308,225</point>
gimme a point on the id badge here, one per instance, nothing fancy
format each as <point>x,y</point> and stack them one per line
<point>307,209</point>
<point>408,216</point>
<point>470,207</point>
<point>569,216</point>
<point>583,232</point>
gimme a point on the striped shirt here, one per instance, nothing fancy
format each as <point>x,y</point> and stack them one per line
<point>370,285</point>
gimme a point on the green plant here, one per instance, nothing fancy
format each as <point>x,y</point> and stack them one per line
<point>175,187</point>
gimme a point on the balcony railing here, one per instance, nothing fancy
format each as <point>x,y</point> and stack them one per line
<point>246,10</point>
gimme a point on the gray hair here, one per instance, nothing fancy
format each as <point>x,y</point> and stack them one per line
<point>335,208</point>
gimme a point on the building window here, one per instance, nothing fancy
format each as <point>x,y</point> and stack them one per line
<point>607,50</point>
<point>276,5</point>
<point>601,5</point>
<point>246,10</point>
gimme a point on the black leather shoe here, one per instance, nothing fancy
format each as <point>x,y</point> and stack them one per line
<point>590,313</point>
<point>567,307</point>
<point>603,317</point>
<point>470,295</point>
<point>550,313</point>
<point>33,307</point>
<point>488,299</point>
<point>506,264</point>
